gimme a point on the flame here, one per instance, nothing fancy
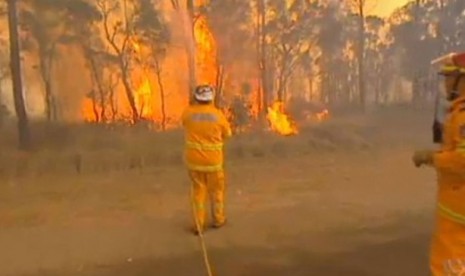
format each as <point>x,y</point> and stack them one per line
<point>320,116</point>
<point>206,52</point>
<point>88,110</point>
<point>279,121</point>
<point>146,87</point>
<point>143,95</point>
<point>317,117</point>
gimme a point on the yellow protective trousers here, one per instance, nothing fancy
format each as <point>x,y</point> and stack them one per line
<point>208,185</point>
<point>447,256</point>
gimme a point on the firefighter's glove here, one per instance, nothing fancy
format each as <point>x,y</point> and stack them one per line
<point>423,157</point>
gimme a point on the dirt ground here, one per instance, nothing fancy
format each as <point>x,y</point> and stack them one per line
<point>333,212</point>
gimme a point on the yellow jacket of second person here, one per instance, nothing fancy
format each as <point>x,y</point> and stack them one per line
<point>206,128</point>
<point>450,165</point>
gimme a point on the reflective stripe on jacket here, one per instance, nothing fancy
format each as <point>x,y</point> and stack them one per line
<point>205,128</point>
<point>450,214</point>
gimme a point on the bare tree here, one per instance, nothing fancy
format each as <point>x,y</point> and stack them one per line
<point>360,7</point>
<point>51,24</point>
<point>15,62</point>
<point>111,81</point>
<point>45,35</point>
<point>262,53</point>
<point>154,33</point>
<point>85,34</point>
<point>118,35</point>
<point>291,34</point>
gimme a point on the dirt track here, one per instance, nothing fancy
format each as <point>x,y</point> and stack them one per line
<point>358,211</point>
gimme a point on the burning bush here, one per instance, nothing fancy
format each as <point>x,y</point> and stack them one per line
<point>280,121</point>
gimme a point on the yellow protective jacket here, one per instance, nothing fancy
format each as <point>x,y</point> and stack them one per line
<point>450,164</point>
<point>205,128</point>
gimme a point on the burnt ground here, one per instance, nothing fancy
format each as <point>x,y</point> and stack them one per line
<point>355,212</point>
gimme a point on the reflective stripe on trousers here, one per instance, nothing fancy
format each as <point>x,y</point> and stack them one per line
<point>204,146</point>
<point>199,168</point>
<point>443,210</point>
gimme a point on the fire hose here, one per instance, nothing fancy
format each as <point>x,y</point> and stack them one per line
<point>200,235</point>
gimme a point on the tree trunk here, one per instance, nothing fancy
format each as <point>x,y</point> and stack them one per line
<point>258,32</point>
<point>46,62</point>
<point>281,81</point>
<point>45,75</point>
<point>112,83</point>
<point>162,94</point>
<point>114,110</point>
<point>310,87</point>
<point>97,77</point>
<point>128,90</point>
<point>361,57</point>
<point>15,66</point>
<point>263,62</point>
<point>94,106</point>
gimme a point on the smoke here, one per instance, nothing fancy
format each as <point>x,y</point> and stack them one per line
<point>32,94</point>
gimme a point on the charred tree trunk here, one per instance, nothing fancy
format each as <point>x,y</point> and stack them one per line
<point>114,110</point>
<point>128,89</point>
<point>112,83</point>
<point>361,57</point>
<point>46,62</point>
<point>123,60</point>
<point>15,66</point>
<point>94,106</point>
<point>281,82</point>
<point>263,53</point>
<point>97,77</point>
<point>310,87</point>
<point>258,31</point>
<point>162,94</point>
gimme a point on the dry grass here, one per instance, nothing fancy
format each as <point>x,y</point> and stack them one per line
<point>83,149</point>
<point>89,149</point>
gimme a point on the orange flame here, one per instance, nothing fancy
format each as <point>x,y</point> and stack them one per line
<point>279,121</point>
<point>319,116</point>
<point>143,95</point>
<point>206,52</point>
<point>88,110</point>
<point>174,72</point>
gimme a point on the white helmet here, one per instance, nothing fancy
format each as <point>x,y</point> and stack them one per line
<point>204,93</point>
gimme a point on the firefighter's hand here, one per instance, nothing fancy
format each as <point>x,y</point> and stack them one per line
<point>423,157</point>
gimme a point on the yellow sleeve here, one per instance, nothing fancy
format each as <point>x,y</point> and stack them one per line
<point>452,161</point>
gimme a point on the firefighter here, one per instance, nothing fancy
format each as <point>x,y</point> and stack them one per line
<point>447,255</point>
<point>206,128</point>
